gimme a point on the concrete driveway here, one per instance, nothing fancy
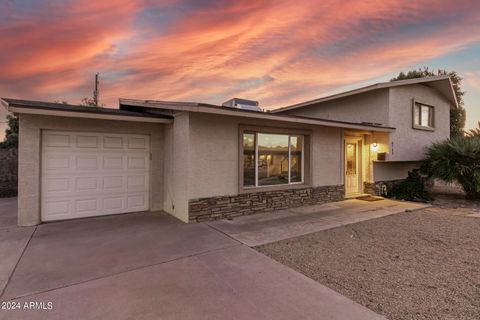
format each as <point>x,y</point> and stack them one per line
<point>151,266</point>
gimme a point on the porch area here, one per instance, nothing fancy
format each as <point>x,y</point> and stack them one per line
<point>362,151</point>
<point>259,229</point>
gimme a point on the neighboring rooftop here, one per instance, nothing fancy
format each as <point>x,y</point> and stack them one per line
<point>442,84</point>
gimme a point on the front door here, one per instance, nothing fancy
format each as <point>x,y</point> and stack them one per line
<point>352,165</point>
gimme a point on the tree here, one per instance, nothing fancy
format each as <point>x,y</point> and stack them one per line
<point>456,160</point>
<point>11,134</point>
<point>458,115</point>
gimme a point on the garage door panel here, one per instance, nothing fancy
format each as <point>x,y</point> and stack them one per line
<point>87,184</point>
<point>113,203</point>
<point>56,185</point>
<point>87,205</point>
<point>86,162</point>
<point>113,162</point>
<point>136,162</point>
<point>138,201</point>
<point>90,174</point>
<point>58,140</point>
<point>87,142</point>
<point>137,143</point>
<point>57,207</point>
<point>113,183</point>
<point>58,162</point>
<point>110,142</point>
<point>137,183</point>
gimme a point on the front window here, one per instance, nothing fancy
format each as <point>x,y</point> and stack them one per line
<point>272,159</point>
<point>422,116</point>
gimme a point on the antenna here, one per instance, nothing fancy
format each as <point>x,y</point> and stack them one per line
<point>95,92</point>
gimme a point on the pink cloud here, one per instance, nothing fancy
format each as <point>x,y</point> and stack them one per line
<point>277,52</point>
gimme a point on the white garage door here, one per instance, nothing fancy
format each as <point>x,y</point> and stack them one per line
<point>93,174</point>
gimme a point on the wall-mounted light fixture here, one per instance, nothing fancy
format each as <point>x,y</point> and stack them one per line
<point>374,147</point>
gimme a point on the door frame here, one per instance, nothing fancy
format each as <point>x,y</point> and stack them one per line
<point>359,163</point>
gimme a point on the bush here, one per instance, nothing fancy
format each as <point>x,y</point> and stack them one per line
<point>411,189</point>
<point>456,160</point>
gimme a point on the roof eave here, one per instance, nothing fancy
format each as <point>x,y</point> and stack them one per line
<point>21,109</point>
<point>252,114</point>
<point>376,86</point>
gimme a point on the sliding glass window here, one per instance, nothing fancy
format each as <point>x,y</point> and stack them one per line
<point>272,159</point>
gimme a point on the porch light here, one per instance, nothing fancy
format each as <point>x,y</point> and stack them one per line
<point>374,147</point>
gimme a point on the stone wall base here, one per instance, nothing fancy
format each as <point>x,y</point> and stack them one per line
<point>208,209</point>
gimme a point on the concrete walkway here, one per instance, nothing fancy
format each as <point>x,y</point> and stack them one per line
<point>260,229</point>
<point>151,266</point>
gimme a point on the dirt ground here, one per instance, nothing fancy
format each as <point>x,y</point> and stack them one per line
<point>413,265</point>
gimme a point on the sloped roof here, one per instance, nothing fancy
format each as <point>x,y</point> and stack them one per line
<point>442,84</point>
<point>162,106</point>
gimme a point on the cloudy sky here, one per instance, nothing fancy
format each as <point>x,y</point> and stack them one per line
<point>277,52</point>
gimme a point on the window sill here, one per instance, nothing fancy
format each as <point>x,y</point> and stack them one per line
<point>273,188</point>
<point>423,128</point>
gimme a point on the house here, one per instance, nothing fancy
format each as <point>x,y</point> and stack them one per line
<point>201,162</point>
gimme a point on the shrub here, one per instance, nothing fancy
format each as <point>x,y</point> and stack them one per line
<point>456,160</point>
<point>412,188</point>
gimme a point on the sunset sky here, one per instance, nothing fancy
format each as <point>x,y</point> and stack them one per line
<point>277,52</point>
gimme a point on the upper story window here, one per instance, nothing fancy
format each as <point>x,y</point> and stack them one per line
<point>272,159</point>
<point>423,116</point>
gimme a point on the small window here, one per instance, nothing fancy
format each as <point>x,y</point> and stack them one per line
<point>423,116</point>
<point>272,159</point>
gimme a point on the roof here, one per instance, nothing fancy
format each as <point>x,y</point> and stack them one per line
<point>442,84</point>
<point>42,107</point>
<point>144,105</point>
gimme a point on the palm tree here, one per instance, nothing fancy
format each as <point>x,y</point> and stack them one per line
<point>474,132</point>
<point>456,159</point>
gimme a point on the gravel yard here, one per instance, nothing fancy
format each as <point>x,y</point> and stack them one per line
<point>412,265</point>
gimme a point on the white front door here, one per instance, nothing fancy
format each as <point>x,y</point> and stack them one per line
<point>88,174</point>
<point>352,166</point>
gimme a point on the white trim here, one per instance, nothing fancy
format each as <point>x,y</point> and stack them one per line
<point>86,115</point>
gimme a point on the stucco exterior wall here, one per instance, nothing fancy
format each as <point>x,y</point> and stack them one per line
<point>30,150</point>
<point>214,154</point>
<point>389,171</point>
<point>177,166</point>
<point>407,143</point>
<point>367,107</point>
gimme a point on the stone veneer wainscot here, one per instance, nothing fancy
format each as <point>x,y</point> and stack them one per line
<point>214,208</point>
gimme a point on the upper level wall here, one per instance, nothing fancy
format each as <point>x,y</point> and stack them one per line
<point>366,107</point>
<point>407,143</point>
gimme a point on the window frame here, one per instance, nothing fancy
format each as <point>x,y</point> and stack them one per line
<point>279,131</point>
<point>420,126</point>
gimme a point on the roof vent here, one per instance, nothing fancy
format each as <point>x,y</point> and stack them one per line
<point>243,104</point>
